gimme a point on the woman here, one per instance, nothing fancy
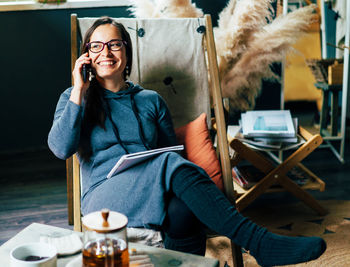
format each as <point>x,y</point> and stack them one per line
<point>106,117</point>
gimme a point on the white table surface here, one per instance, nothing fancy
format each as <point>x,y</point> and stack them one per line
<point>160,257</point>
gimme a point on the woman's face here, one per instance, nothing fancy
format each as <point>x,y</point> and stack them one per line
<point>108,64</point>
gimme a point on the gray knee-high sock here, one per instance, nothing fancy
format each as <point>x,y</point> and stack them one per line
<point>214,210</point>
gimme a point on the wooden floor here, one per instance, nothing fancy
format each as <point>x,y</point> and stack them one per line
<point>33,189</point>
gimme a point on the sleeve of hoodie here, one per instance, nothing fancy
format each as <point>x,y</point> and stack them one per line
<point>64,136</point>
<point>166,134</point>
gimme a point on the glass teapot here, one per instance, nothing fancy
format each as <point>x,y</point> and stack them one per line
<point>105,240</point>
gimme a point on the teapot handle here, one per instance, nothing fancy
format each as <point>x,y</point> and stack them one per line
<point>105,214</point>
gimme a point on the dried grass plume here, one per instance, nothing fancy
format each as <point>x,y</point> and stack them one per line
<point>254,48</point>
<point>164,9</point>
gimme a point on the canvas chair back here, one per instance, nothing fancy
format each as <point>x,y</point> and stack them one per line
<point>168,57</point>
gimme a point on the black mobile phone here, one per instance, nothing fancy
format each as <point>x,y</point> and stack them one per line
<point>85,71</point>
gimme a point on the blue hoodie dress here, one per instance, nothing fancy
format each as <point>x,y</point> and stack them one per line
<point>143,122</point>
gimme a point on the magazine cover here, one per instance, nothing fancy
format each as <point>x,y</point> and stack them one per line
<point>268,123</point>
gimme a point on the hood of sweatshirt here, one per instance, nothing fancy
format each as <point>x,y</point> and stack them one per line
<point>132,89</point>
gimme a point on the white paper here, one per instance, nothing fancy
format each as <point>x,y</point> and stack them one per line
<point>128,160</point>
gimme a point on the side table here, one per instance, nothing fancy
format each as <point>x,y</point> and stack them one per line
<point>160,257</point>
<point>273,174</point>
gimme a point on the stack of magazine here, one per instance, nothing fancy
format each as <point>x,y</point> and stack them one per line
<point>247,176</point>
<point>269,129</point>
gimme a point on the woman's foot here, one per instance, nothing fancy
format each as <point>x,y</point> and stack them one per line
<point>271,249</point>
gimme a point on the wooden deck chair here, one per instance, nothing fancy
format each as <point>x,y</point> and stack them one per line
<point>177,58</point>
<point>277,175</point>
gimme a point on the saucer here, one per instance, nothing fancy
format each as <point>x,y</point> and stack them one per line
<point>65,245</point>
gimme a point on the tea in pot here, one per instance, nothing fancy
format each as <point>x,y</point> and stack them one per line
<point>105,240</point>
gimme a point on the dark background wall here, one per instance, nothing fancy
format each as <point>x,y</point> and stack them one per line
<point>35,69</point>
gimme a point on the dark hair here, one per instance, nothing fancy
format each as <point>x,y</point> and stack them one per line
<point>94,114</point>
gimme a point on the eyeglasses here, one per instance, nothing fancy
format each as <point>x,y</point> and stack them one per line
<point>113,45</point>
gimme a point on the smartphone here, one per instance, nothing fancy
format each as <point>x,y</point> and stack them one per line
<point>86,70</point>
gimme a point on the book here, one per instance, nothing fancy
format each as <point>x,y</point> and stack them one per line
<point>267,123</point>
<point>277,140</point>
<point>246,176</point>
<point>260,144</point>
<point>280,139</point>
<point>268,143</point>
<point>128,160</point>
<point>237,178</point>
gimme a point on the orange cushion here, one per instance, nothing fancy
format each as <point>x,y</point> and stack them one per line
<point>199,148</point>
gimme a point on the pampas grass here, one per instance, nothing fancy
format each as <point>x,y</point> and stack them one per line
<point>248,40</point>
<point>164,9</point>
<point>243,72</point>
<point>237,23</point>
<point>143,9</point>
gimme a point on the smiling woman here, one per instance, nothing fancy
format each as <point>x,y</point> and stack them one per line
<point>58,4</point>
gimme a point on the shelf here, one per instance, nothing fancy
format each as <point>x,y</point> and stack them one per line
<point>313,183</point>
<point>325,133</point>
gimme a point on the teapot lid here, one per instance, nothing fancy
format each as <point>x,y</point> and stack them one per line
<point>104,221</point>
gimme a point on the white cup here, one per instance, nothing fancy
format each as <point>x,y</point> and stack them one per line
<point>20,253</point>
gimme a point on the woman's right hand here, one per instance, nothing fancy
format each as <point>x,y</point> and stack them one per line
<point>79,86</point>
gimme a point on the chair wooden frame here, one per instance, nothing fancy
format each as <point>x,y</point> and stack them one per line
<point>72,164</point>
<point>278,174</point>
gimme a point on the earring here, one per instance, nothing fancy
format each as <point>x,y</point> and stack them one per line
<point>127,71</point>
